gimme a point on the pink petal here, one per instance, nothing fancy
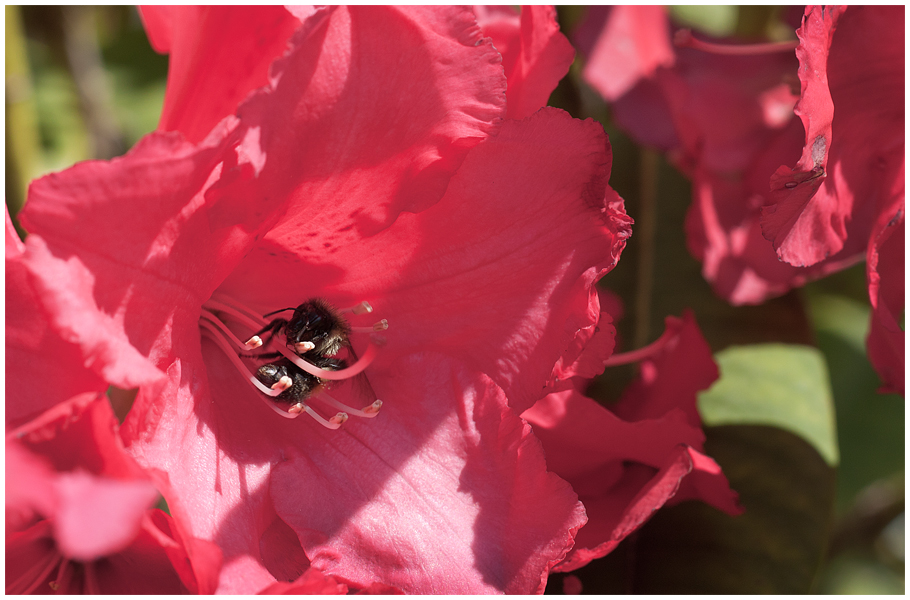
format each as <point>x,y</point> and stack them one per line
<point>535,55</point>
<point>434,89</point>
<point>129,279</point>
<point>80,433</point>
<point>852,107</point>
<point>197,562</point>
<point>799,241</point>
<point>679,365</point>
<point>610,456</point>
<point>37,356</point>
<point>536,195</point>
<point>217,56</point>
<point>461,502</point>
<point>29,488</point>
<point>99,516</point>
<point>311,582</point>
<point>885,272</point>
<point>65,290</point>
<point>94,505</point>
<point>624,44</point>
<point>612,464</point>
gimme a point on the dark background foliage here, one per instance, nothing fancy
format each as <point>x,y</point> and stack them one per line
<point>824,493</point>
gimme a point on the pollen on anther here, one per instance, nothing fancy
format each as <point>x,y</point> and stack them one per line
<point>254,342</point>
<point>339,419</point>
<point>282,384</point>
<point>302,347</point>
<point>373,408</point>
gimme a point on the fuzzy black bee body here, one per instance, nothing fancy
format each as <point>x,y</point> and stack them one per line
<point>315,322</point>
<point>304,384</point>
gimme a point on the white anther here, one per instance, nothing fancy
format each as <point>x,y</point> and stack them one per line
<point>359,309</point>
<point>254,342</point>
<point>377,326</point>
<point>339,419</point>
<point>282,384</point>
<point>368,412</point>
<point>302,347</point>
<point>373,408</point>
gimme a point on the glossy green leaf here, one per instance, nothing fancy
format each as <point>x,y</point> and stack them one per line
<point>781,385</point>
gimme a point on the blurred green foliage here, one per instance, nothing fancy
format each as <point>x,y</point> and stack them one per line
<point>69,65</point>
<point>807,526</point>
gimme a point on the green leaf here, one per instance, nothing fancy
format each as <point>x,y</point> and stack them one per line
<point>718,20</point>
<point>870,426</point>
<point>781,385</point>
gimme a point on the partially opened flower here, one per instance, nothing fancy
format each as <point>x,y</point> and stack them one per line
<point>628,461</point>
<point>350,179</point>
<point>78,516</point>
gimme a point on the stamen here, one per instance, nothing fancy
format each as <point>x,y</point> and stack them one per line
<point>368,411</point>
<point>684,39</point>
<point>333,423</point>
<point>377,326</point>
<point>214,320</point>
<point>359,309</point>
<point>213,327</point>
<point>282,384</point>
<point>253,323</point>
<point>364,362</point>
<point>227,304</point>
<point>213,333</point>
<point>215,336</point>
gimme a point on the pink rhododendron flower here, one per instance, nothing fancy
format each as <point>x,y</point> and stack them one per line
<point>77,517</point>
<point>627,461</point>
<point>726,116</point>
<point>349,178</point>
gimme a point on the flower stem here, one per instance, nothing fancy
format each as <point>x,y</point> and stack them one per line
<point>645,233</point>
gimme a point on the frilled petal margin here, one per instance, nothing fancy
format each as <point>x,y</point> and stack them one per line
<point>123,253</point>
<point>804,240</point>
<point>852,108</point>
<point>42,367</point>
<point>626,467</point>
<point>217,56</point>
<point>535,55</point>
